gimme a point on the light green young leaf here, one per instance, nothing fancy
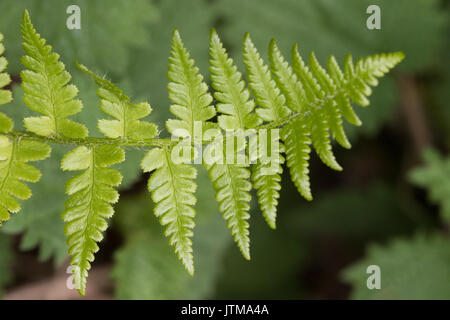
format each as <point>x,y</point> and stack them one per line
<point>235,105</point>
<point>233,195</point>
<point>115,103</point>
<point>269,99</point>
<point>342,100</point>
<point>14,168</point>
<point>297,142</point>
<point>188,92</point>
<point>88,205</point>
<point>268,189</point>
<point>172,187</point>
<point>46,88</point>
<point>286,79</point>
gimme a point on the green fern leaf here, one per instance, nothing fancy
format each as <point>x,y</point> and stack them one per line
<point>342,100</point>
<point>232,189</point>
<point>286,79</point>
<point>172,187</point>
<point>296,133</point>
<point>235,105</point>
<point>320,136</point>
<point>334,117</point>
<point>14,168</point>
<point>297,142</point>
<point>230,181</point>
<point>115,103</point>
<point>88,205</point>
<point>6,123</point>
<point>46,88</point>
<point>270,100</point>
<point>318,121</point>
<point>188,92</point>
<point>266,178</point>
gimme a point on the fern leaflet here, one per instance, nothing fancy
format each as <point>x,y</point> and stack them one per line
<point>188,92</point>
<point>172,187</point>
<point>91,193</point>
<point>14,168</point>
<point>46,88</point>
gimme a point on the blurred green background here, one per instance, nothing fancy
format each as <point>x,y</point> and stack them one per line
<point>389,207</point>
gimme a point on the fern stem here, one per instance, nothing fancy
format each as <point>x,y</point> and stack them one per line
<point>127,142</point>
<point>90,141</point>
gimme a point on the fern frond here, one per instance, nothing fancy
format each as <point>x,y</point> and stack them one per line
<point>188,92</point>
<point>6,123</point>
<point>116,103</point>
<point>172,187</point>
<point>15,153</point>
<point>88,205</point>
<point>46,88</point>
<point>306,102</point>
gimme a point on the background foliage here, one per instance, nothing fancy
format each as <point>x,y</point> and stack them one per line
<point>374,212</point>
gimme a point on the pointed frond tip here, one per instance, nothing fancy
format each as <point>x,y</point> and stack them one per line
<point>192,103</point>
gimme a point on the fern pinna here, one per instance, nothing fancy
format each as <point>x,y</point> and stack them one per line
<point>305,101</point>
